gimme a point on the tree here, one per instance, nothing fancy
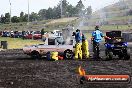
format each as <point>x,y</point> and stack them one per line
<point>21,14</point>
<point>49,13</point>
<point>88,11</point>
<point>71,11</point>
<point>33,16</point>
<point>57,11</point>
<point>64,7</point>
<point>21,17</point>
<point>25,18</point>
<point>3,19</point>
<point>15,19</point>
<point>129,12</point>
<point>79,7</point>
<point>42,14</point>
<point>7,17</point>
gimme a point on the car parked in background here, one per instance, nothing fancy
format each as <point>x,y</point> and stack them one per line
<point>33,35</point>
<point>5,34</point>
<point>37,35</point>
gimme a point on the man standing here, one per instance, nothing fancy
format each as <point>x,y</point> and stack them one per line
<point>78,48</point>
<point>97,36</point>
<point>85,47</point>
<point>23,35</point>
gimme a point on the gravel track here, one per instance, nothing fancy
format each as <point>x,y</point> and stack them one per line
<point>18,71</point>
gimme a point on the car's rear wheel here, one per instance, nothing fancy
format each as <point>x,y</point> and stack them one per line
<point>127,55</point>
<point>109,55</point>
<point>35,55</point>
<point>68,54</point>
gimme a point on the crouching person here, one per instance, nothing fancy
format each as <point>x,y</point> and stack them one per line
<point>85,47</point>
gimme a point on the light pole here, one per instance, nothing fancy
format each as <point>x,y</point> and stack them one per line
<point>10,10</point>
<point>61,9</point>
<point>28,10</point>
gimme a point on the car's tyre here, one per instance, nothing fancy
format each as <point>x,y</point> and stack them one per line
<point>68,54</point>
<point>35,55</point>
<point>109,55</point>
<point>120,56</point>
<point>127,55</point>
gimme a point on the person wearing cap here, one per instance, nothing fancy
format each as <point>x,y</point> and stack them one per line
<point>97,37</point>
<point>85,47</point>
<point>78,48</point>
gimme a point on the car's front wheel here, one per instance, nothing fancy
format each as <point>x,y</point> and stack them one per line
<point>35,55</point>
<point>68,54</point>
<point>127,55</point>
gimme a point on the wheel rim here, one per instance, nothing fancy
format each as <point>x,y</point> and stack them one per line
<point>69,54</point>
<point>36,56</point>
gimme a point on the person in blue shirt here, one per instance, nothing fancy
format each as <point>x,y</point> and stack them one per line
<point>78,36</point>
<point>97,37</point>
<point>78,45</point>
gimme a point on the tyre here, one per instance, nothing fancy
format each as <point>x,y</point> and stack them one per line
<point>109,55</point>
<point>68,54</point>
<point>120,56</point>
<point>35,55</point>
<point>127,55</point>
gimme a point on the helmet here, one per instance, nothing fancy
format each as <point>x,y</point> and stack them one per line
<point>97,27</point>
<point>77,30</point>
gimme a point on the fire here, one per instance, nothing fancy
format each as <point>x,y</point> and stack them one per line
<point>81,71</point>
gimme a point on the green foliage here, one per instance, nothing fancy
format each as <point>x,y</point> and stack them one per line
<point>51,13</point>
<point>7,17</point>
<point>33,16</point>
<point>42,14</point>
<point>79,7</point>
<point>15,19</point>
<point>3,19</point>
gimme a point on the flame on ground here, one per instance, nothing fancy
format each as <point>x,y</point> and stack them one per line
<point>81,71</point>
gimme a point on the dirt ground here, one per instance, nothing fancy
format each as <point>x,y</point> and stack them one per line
<point>18,71</point>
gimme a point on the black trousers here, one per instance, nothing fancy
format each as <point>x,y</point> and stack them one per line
<point>95,45</point>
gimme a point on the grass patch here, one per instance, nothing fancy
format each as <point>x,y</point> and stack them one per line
<point>108,27</point>
<point>17,43</point>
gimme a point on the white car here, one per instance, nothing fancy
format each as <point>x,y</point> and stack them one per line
<point>37,51</point>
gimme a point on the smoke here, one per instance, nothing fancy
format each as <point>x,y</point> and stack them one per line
<point>102,18</point>
<point>82,19</point>
<point>68,41</point>
<point>67,35</point>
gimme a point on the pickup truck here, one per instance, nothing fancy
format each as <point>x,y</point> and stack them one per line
<point>37,51</point>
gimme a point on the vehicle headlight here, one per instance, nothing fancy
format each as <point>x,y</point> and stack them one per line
<point>125,44</point>
<point>112,46</point>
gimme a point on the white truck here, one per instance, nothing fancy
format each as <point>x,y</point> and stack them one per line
<point>65,49</point>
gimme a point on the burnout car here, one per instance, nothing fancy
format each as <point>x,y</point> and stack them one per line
<point>37,51</point>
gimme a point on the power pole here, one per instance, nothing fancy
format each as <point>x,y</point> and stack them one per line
<point>61,8</point>
<point>28,10</point>
<point>10,10</point>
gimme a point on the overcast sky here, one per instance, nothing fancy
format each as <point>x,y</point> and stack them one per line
<point>36,5</point>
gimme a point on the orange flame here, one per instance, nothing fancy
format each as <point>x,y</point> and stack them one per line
<point>81,71</point>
